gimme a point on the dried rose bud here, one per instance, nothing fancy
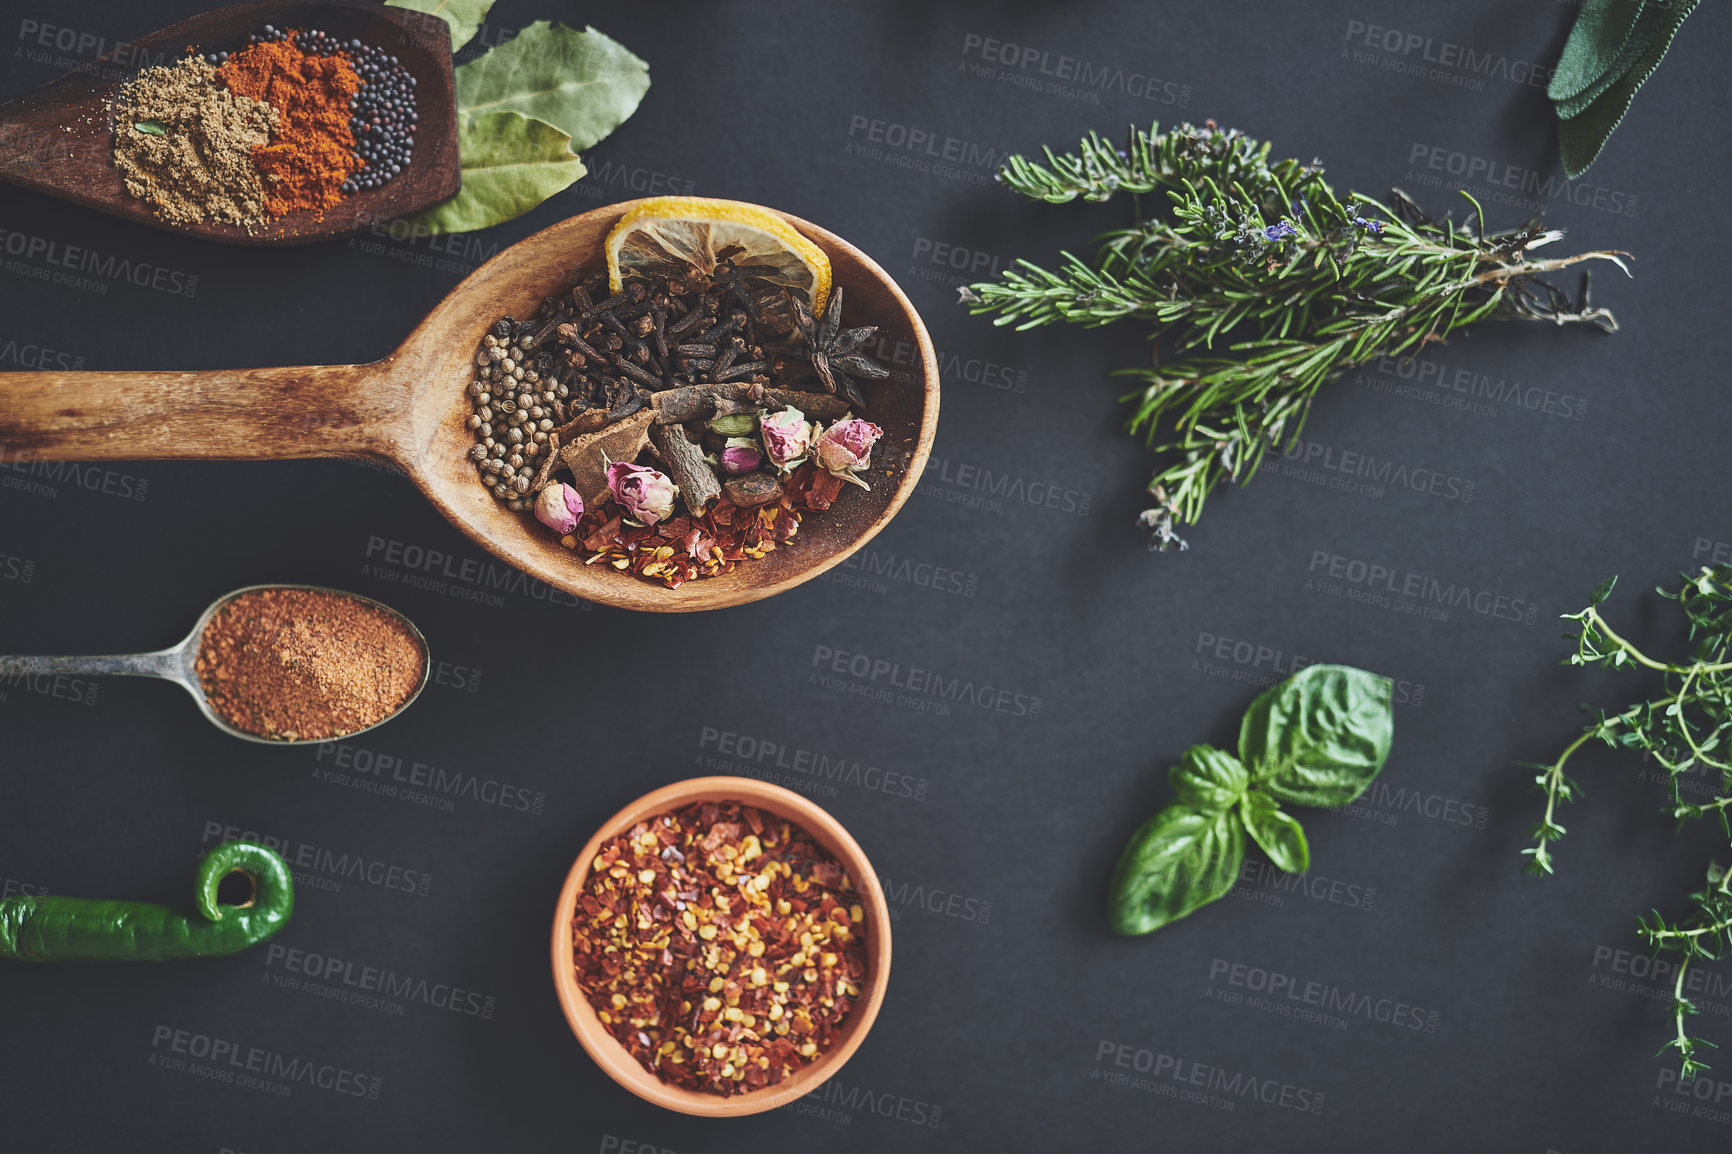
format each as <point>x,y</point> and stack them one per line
<point>845,448</point>
<point>559,507</point>
<point>646,495</point>
<point>740,455</point>
<point>787,437</point>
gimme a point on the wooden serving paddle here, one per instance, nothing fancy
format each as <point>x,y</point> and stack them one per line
<point>410,410</point>
<point>60,138</point>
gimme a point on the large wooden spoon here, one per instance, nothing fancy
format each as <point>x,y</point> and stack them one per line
<point>60,138</point>
<point>410,409</point>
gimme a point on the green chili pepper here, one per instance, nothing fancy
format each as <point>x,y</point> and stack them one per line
<point>51,928</point>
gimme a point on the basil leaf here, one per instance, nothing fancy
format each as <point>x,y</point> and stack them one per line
<point>1277,832</point>
<point>1319,737</point>
<point>1208,779</point>
<point>582,83</point>
<point>510,164</point>
<point>464,16</point>
<point>1178,861</point>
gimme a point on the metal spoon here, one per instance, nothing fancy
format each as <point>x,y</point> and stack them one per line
<point>178,664</point>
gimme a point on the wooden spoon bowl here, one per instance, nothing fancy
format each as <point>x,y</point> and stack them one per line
<point>410,410</point>
<point>60,138</point>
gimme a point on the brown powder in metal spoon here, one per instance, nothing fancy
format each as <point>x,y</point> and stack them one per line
<point>303,665</point>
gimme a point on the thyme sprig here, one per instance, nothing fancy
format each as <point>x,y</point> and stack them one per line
<point>1262,259</point>
<point>1686,730</point>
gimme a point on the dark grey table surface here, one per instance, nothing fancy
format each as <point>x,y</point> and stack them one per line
<point>1459,1004</point>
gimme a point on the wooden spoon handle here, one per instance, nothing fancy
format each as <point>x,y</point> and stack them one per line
<point>309,411</point>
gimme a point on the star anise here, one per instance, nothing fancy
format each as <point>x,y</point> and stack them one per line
<point>835,350</point>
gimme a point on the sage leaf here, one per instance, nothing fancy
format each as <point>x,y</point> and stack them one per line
<point>1582,136</point>
<point>511,163</point>
<point>464,16</point>
<point>582,83</point>
<point>1602,33</point>
<point>1208,779</point>
<point>1278,832</point>
<point>1319,737</point>
<point>1179,860</point>
<point>150,127</point>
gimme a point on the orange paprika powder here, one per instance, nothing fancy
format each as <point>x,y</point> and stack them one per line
<point>313,152</point>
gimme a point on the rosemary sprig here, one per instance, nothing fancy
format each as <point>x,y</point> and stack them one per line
<point>1686,730</point>
<point>1262,259</point>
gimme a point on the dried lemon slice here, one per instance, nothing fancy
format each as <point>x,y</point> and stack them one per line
<point>665,235</point>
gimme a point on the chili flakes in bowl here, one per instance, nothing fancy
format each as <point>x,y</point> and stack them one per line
<point>720,945</point>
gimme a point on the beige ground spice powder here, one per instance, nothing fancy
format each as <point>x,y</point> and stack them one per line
<point>201,165</point>
<point>301,664</point>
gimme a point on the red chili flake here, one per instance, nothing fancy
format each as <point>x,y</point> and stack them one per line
<point>722,960</point>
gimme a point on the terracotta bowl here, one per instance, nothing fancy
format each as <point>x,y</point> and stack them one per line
<point>613,1057</point>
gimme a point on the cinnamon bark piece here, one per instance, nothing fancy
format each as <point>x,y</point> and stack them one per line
<point>698,402</point>
<point>687,467</point>
<point>587,455</point>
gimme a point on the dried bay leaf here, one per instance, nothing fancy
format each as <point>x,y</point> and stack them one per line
<point>511,163</point>
<point>582,83</point>
<point>464,16</point>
